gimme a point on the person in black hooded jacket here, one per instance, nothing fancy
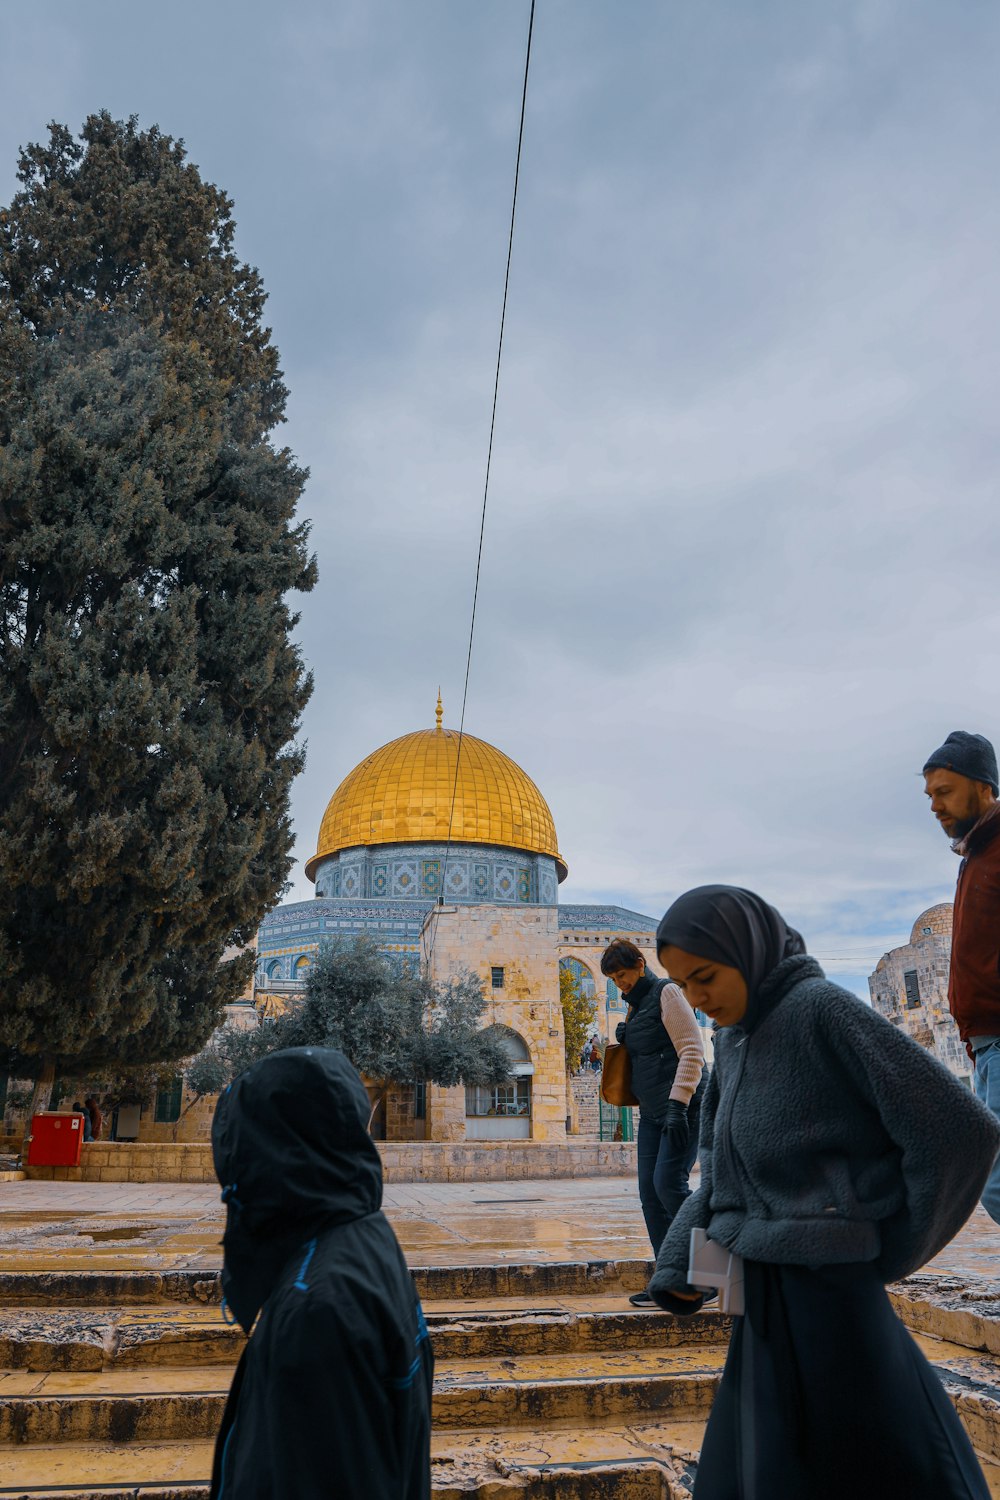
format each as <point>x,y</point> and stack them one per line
<point>332,1395</point>
<point>837,1155</point>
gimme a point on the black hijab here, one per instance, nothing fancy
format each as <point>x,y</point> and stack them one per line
<point>733,927</point>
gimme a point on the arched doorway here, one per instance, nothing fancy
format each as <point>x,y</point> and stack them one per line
<point>502,1111</point>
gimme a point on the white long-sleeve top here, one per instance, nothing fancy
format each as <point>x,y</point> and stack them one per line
<point>685,1035</point>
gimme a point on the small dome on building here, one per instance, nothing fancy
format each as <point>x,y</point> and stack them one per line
<point>934,922</point>
<point>402,793</point>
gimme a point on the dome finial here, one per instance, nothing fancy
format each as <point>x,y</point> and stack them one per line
<point>439,710</point>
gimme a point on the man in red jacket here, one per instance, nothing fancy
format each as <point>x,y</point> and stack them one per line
<point>961,781</point>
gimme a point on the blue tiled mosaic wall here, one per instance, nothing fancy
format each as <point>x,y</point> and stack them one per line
<point>469,872</point>
<point>298,929</point>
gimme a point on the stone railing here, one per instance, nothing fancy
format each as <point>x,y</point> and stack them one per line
<point>403,1161</point>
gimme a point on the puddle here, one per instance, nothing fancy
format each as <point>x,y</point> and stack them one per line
<point>114,1234</point>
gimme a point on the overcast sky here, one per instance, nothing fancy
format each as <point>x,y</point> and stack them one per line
<point>741,562</point>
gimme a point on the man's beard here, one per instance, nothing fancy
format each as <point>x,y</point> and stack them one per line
<point>961,827</point>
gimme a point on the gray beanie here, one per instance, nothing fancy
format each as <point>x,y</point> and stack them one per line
<point>969,755</point>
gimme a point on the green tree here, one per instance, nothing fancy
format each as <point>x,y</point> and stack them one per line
<point>395,1026</point>
<point>150,691</point>
<point>229,1052</point>
<point>578,1011</point>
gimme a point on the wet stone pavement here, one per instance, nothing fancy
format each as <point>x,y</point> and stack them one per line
<point>172,1226</point>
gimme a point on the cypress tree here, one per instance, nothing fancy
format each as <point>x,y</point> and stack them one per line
<point>150,691</point>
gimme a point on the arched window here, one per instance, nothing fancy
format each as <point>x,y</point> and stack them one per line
<point>502,1111</point>
<point>302,966</point>
<point>580,972</point>
<point>516,1049</point>
<point>273,970</point>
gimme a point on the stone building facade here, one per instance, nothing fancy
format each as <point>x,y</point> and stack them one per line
<point>910,988</point>
<point>514,955</point>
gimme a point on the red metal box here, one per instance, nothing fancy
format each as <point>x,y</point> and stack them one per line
<point>56,1139</point>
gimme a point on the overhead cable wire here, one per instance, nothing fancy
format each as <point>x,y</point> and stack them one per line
<point>489,460</point>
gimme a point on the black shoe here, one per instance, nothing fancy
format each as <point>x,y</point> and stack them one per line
<point>641,1299</point>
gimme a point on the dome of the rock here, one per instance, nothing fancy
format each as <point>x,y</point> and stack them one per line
<point>403,793</point>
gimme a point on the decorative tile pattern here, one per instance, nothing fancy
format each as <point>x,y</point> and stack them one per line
<point>610,919</point>
<point>430,877</point>
<point>468,873</point>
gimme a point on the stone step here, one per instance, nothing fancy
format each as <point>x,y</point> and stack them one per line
<point>44,1339</point>
<point>128,1287</point>
<point>143,1405</point>
<point>527,1356</point>
<point>636,1461</point>
<point>165,1335</point>
<point>158,1403</point>
<point>633,1461</point>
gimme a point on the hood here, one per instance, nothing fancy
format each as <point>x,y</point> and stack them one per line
<point>773,989</point>
<point>293,1154</point>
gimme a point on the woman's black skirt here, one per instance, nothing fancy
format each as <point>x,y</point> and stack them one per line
<point>825,1394</point>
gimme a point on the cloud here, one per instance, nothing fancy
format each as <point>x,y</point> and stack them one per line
<point>740,559</point>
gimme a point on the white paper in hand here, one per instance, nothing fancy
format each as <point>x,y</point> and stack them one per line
<point>713,1266</point>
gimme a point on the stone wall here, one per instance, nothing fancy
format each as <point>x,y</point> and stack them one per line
<point>195,1123</point>
<point>403,1161</point>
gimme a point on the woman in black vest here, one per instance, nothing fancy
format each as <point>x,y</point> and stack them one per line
<point>665,1050</point>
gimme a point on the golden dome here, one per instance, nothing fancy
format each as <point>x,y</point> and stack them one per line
<point>402,794</point>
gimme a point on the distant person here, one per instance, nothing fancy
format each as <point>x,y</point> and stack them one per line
<point>596,1058</point>
<point>663,1041</point>
<point>88,1134</point>
<point>961,781</point>
<point>93,1109</point>
<point>332,1395</point>
<point>836,1156</point>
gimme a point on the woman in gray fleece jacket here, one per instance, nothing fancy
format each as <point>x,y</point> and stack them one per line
<point>836,1156</point>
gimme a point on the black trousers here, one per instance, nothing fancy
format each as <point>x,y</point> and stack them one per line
<point>663,1172</point>
<point>825,1394</point>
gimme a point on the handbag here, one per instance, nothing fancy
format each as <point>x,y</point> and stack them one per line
<point>616,1076</point>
